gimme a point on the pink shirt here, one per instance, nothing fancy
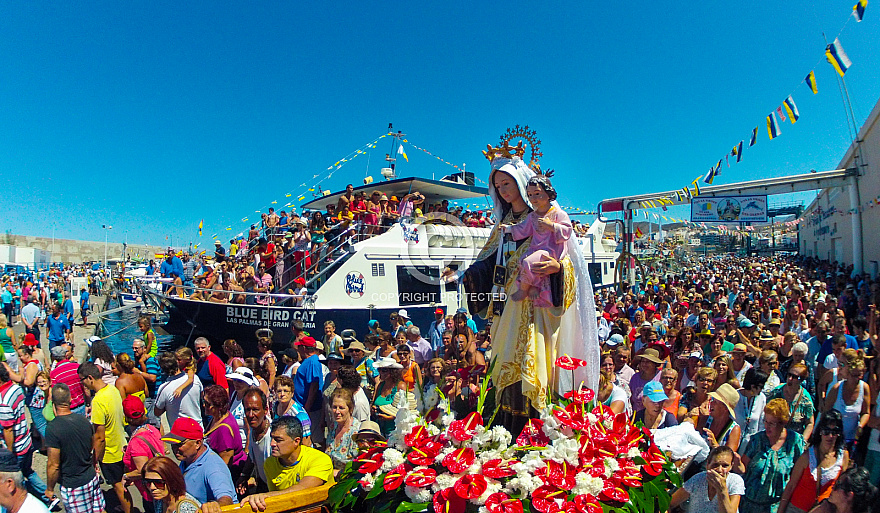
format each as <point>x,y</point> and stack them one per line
<point>145,442</point>
<point>551,241</point>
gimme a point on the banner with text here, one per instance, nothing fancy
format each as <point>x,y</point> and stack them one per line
<point>729,209</point>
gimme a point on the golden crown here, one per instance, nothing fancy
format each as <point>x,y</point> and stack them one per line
<point>505,150</point>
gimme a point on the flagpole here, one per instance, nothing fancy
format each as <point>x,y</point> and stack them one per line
<point>855,197</point>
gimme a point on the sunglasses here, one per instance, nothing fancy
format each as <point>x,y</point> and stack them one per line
<point>158,483</point>
<point>829,432</point>
<point>796,376</point>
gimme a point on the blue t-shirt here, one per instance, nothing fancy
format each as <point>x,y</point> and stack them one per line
<point>67,308</point>
<point>310,371</point>
<point>826,348</point>
<point>57,327</point>
<point>84,301</point>
<point>6,296</point>
<point>208,478</point>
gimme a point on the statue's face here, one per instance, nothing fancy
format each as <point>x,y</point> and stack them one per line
<point>506,186</point>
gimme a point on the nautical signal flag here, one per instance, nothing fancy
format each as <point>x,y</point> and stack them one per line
<point>781,114</point>
<point>773,126</point>
<point>402,152</point>
<point>754,138</point>
<point>791,108</point>
<point>811,81</point>
<point>201,225</point>
<point>739,151</point>
<point>687,192</point>
<point>837,57</point>
<point>639,233</point>
<point>710,175</point>
<point>859,9</point>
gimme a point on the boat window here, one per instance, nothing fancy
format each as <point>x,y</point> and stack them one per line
<point>452,286</point>
<point>595,271</point>
<point>419,284</point>
<point>378,269</point>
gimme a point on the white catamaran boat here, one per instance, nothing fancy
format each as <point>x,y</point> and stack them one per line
<point>371,276</point>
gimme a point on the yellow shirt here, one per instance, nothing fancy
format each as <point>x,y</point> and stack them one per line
<point>312,462</point>
<point>107,411</point>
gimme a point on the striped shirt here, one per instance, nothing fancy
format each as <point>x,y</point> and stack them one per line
<point>65,372</point>
<point>152,367</point>
<point>12,416</point>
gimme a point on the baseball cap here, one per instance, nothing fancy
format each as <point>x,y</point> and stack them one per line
<point>91,340</point>
<point>184,429</point>
<point>615,340</point>
<point>402,313</point>
<point>745,323</point>
<point>307,341</point>
<point>439,311</point>
<point>58,352</point>
<point>373,324</point>
<point>133,407</point>
<point>653,390</point>
<point>696,354</point>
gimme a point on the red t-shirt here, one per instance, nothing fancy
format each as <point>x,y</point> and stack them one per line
<point>268,257</point>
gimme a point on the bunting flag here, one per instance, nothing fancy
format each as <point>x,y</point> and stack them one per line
<point>739,152</point>
<point>710,175</point>
<point>754,138</point>
<point>639,233</point>
<point>726,160</point>
<point>835,55</point>
<point>859,9</point>
<point>791,108</point>
<point>679,196</point>
<point>201,225</point>
<point>811,81</point>
<point>781,114</point>
<point>687,193</point>
<point>696,184</point>
<point>773,126</point>
<point>402,152</point>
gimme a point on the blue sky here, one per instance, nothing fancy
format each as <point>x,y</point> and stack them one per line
<point>152,116</point>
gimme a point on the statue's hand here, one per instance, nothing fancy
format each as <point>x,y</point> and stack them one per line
<point>546,267</point>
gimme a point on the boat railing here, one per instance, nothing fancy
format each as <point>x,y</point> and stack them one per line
<point>310,500</point>
<point>273,298</point>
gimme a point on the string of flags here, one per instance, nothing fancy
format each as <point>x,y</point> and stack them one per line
<point>312,188</point>
<point>786,111</point>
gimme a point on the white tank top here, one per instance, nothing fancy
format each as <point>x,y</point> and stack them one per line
<point>850,412</point>
<point>829,473</point>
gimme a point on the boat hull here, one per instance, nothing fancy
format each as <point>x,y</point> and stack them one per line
<point>220,321</point>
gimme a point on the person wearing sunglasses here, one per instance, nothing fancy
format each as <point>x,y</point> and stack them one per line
<point>164,481</point>
<point>799,401</point>
<point>206,475</point>
<point>826,458</point>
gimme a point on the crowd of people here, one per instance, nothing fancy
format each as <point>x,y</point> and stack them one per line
<point>772,360</point>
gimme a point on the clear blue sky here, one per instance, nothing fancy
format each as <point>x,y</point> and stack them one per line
<point>152,116</point>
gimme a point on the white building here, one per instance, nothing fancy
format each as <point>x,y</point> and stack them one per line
<point>842,224</point>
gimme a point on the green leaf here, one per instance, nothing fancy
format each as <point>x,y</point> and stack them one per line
<point>409,506</point>
<point>339,490</point>
<point>377,487</point>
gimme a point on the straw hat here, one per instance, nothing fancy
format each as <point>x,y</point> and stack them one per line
<point>369,429</point>
<point>652,355</point>
<point>728,396</point>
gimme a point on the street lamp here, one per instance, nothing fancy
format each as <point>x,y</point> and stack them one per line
<point>107,229</point>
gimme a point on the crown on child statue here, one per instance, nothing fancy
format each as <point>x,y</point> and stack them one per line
<point>505,150</point>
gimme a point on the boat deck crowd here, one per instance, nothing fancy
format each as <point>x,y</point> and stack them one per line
<point>772,360</point>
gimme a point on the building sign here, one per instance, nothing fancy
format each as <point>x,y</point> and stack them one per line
<point>729,209</point>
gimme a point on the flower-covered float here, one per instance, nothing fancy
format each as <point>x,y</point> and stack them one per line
<point>579,457</point>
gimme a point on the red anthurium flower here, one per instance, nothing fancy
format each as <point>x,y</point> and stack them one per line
<point>562,474</point>
<point>459,460</point>
<point>654,460</point>
<point>424,453</point>
<point>421,477</point>
<point>471,486</point>
<point>533,434</point>
<point>548,499</point>
<point>416,434</point>
<point>447,501</point>
<point>567,418</point>
<point>583,395</point>
<point>569,507</point>
<point>568,363</point>
<point>614,493</point>
<point>497,469</point>
<point>461,429</point>
<point>394,479</point>
<point>587,504</point>
<point>500,502</point>
<point>370,460</point>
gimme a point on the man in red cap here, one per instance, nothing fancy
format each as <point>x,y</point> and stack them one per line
<point>435,331</point>
<point>206,475</point>
<point>307,385</point>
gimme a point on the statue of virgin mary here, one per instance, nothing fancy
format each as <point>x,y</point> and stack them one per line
<point>526,340</point>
